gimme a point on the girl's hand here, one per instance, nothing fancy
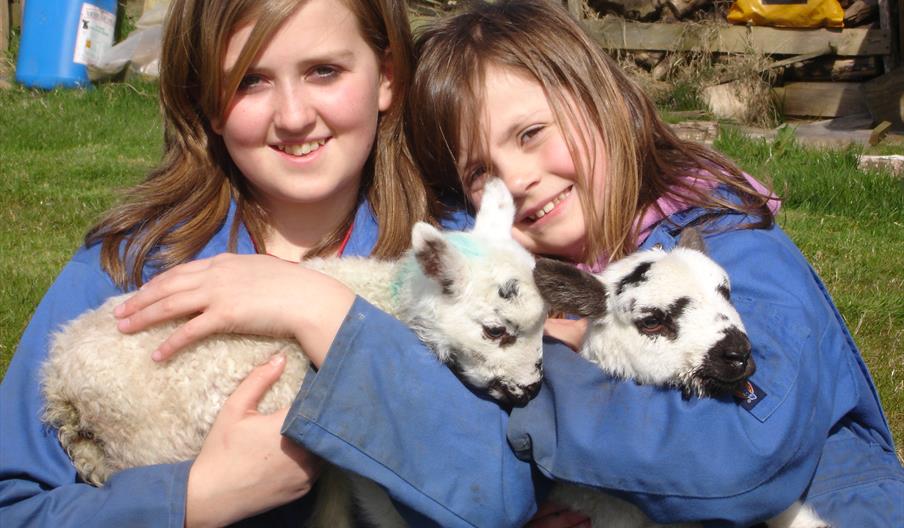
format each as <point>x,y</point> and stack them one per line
<point>247,294</point>
<point>569,331</point>
<point>553,515</point>
<point>246,466</point>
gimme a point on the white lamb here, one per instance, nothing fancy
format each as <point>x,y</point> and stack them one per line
<point>469,296</point>
<point>660,318</point>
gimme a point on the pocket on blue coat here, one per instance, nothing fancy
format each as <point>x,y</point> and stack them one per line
<point>778,344</point>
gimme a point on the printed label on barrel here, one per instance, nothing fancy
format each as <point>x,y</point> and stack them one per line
<point>95,34</point>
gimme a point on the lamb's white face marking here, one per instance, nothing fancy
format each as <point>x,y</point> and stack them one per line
<point>481,310</point>
<point>666,320</point>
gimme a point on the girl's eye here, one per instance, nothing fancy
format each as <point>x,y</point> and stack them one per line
<point>529,134</point>
<point>324,72</point>
<point>250,81</point>
<point>494,332</point>
<point>475,176</point>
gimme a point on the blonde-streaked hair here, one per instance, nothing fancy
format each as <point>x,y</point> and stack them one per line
<point>587,93</point>
<point>169,217</point>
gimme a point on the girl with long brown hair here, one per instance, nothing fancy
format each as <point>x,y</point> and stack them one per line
<point>283,140</point>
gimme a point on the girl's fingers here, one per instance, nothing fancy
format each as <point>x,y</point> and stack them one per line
<point>191,331</point>
<point>181,278</point>
<point>549,508</point>
<point>169,308</point>
<point>250,391</point>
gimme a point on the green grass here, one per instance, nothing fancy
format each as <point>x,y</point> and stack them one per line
<point>682,97</point>
<point>850,225</point>
<point>64,153</point>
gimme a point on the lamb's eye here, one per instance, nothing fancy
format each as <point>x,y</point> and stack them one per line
<point>724,291</point>
<point>494,332</point>
<point>651,324</point>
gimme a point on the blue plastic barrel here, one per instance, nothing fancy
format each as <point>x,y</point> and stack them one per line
<point>60,37</point>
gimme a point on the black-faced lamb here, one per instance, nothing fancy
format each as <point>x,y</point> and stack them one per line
<point>659,318</point>
<point>470,296</point>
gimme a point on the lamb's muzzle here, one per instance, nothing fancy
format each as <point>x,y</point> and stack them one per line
<point>733,352</point>
<point>509,395</point>
<point>728,363</point>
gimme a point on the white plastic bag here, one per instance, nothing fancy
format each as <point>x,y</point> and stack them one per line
<point>140,51</point>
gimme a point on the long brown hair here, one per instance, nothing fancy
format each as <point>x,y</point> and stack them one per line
<point>174,212</point>
<point>587,92</point>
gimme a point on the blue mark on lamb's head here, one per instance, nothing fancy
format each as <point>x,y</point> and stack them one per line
<point>467,244</point>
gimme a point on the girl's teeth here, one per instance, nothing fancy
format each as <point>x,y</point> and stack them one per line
<point>304,148</point>
<point>548,207</point>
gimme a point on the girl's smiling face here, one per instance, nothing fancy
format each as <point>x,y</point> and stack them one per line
<point>525,147</point>
<point>303,120</point>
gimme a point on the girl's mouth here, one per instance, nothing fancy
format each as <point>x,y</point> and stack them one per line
<point>301,149</point>
<point>546,209</point>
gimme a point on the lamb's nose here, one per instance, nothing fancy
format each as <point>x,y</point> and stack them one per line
<point>531,390</point>
<point>737,355</point>
<point>734,345</point>
<point>734,350</point>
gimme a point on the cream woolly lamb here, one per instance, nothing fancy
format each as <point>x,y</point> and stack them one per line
<point>115,408</point>
<point>660,318</point>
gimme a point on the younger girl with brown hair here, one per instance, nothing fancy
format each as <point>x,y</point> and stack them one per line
<point>515,89</point>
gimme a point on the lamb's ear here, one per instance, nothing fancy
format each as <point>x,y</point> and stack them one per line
<point>497,211</point>
<point>438,259</point>
<point>567,289</point>
<point>691,238</point>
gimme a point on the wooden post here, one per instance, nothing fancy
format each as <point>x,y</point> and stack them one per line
<point>15,14</point>
<point>4,25</point>
<point>900,32</point>
<point>885,23</point>
<point>4,42</point>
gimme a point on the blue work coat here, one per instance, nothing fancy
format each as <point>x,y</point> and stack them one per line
<point>813,427</point>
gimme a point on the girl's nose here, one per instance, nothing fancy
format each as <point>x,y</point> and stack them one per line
<point>293,112</point>
<point>519,177</point>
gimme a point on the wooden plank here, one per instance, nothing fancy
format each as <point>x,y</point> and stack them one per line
<point>15,14</point>
<point>835,69</point>
<point>879,133</point>
<point>823,99</point>
<point>700,131</point>
<point>614,33</point>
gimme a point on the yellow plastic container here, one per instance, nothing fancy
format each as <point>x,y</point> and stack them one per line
<point>787,13</point>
